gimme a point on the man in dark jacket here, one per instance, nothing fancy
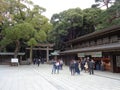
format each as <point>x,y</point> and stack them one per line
<point>72,67</point>
<point>77,70</point>
<point>91,67</point>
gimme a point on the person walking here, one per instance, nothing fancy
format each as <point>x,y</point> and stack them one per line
<point>86,66</point>
<point>102,65</point>
<point>61,64</point>
<point>77,70</point>
<point>54,66</point>
<point>82,64</point>
<point>38,62</point>
<point>91,67</point>
<point>57,66</point>
<point>72,67</point>
<point>34,61</point>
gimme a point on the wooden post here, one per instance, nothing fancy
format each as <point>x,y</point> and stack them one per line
<point>47,55</point>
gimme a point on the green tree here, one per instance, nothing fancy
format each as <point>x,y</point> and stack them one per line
<point>90,21</point>
<point>66,21</point>
<point>41,25</point>
<point>25,22</point>
<point>16,33</point>
<point>38,37</point>
<point>109,17</point>
<point>102,3</point>
<point>73,23</point>
<point>3,8</point>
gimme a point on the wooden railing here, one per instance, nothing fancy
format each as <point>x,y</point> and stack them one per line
<point>100,41</point>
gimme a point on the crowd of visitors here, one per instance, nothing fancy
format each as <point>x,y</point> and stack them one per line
<point>75,66</point>
<point>57,65</point>
<point>85,64</point>
<point>38,61</point>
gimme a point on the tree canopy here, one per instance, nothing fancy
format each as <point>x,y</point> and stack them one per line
<point>101,3</point>
<point>109,17</point>
<point>73,23</point>
<point>23,22</point>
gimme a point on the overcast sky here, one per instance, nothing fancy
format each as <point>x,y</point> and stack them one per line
<point>56,6</point>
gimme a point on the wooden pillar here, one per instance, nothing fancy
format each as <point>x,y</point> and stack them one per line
<point>113,63</point>
<point>47,55</point>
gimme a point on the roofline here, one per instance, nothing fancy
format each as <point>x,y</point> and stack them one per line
<point>109,47</point>
<point>11,53</point>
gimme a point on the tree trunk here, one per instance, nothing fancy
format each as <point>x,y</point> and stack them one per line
<point>17,48</point>
<point>31,51</point>
<point>106,2</point>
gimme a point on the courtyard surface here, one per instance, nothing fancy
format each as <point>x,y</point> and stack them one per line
<point>32,77</point>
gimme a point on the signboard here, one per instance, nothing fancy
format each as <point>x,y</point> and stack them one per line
<point>93,54</point>
<point>81,54</point>
<point>14,60</point>
<point>97,54</point>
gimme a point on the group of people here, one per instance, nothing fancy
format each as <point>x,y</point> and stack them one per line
<point>86,64</point>
<point>74,67</point>
<point>57,65</point>
<point>38,61</point>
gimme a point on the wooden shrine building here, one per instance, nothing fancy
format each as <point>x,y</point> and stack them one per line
<point>100,45</point>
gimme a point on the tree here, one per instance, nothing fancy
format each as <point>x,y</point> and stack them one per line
<point>32,42</point>
<point>38,37</point>
<point>66,22</point>
<point>109,17</point>
<point>90,16</point>
<point>16,33</point>
<point>3,7</point>
<point>41,25</point>
<point>73,23</point>
<point>25,23</point>
<point>102,3</point>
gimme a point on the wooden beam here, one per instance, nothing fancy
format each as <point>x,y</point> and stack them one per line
<point>41,48</point>
<point>45,45</point>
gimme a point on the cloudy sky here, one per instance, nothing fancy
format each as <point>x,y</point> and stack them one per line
<point>56,6</point>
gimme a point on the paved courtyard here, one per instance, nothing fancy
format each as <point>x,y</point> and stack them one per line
<point>32,77</point>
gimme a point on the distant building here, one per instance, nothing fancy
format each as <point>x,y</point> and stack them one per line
<point>5,57</point>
